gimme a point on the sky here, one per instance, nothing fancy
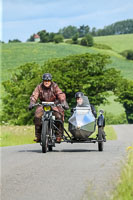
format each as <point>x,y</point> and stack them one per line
<point>22,18</point>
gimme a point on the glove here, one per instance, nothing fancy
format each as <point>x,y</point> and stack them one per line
<point>30,106</point>
<point>65,105</point>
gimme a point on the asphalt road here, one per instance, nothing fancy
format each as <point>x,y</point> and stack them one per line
<point>70,172</point>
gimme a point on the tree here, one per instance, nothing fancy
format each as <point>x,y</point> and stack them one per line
<point>75,38</point>
<point>124,93</point>
<point>93,31</point>
<point>69,31</point>
<point>90,76</point>
<point>83,30</point>
<point>51,37</point>
<point>31,39</point>
<point>14,41</point>
<point>121,27</point>
<point>44,36</point>
<point>58,38</point>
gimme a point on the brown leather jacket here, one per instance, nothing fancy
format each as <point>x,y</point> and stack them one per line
<point>53,94</point>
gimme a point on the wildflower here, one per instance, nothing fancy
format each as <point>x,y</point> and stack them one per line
<point>129,148</point>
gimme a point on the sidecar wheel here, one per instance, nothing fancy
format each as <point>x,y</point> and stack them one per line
<point>44,136</point>
<point>100,139</point>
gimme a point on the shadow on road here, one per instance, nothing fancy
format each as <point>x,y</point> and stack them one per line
<point>34,151</point>
<point>59,151</point>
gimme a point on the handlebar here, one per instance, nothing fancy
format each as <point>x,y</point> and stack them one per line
<point>52,104</point>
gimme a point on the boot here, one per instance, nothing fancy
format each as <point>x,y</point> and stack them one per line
<point>37,140</point>
<point>37,133</point>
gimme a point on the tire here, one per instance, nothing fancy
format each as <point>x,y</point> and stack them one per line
<point>44,136</point>
<point>50,148</point>
<point>100,144</point>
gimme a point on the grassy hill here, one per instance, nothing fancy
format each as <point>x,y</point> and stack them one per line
<point>16,54</point>
<point>118,43</point>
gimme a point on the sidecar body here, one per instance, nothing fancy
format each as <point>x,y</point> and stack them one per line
<point>82,123</point>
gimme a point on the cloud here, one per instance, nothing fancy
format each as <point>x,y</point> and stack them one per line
<point>21,18</point>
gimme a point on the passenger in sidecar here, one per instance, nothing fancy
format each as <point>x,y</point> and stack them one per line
<point>82,123</point>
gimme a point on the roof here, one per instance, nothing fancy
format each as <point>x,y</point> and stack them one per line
<point>36,36</point>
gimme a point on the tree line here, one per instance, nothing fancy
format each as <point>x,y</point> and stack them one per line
<point>91,76</point>
<point>121,27</point>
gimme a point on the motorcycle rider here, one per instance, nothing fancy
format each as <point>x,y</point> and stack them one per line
<point>48,91</point>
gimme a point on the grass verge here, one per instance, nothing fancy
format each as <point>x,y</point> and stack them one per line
<point>16,135</point>
<point>109,131</point>
<point>19,135</point>
<point>124,190</point>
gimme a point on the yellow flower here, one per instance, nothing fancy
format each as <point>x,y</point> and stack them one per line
<point>129,148</point>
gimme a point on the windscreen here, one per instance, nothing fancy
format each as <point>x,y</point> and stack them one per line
<point>83,102</point>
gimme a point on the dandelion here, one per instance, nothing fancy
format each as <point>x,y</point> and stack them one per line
<point>129,148</point>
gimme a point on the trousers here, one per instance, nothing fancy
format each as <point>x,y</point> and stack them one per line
<point>38,121</point>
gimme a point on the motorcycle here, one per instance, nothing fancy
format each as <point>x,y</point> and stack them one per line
<point>81,125</point>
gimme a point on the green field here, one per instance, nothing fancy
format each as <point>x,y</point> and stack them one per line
<point>16,54</point>
<point>118,43</point>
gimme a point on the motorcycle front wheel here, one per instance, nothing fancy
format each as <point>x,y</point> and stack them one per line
<point>44,136</point>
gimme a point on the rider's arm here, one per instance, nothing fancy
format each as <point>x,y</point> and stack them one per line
<point>35,95</point>
<point>61,97</point>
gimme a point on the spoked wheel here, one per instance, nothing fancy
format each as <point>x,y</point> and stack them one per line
<point>100,139</point>
<point>44,136</point>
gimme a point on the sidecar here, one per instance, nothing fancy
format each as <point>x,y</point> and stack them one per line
<point>82,123</point>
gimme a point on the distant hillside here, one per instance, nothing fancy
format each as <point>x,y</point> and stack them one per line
<point>16,54</point>
<point>118,43</point>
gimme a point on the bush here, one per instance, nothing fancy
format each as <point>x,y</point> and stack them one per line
<point>83,42</point>
<point>102,46</point>
<point>75,38</point>
<point>87,40</point>
<point>69,41</point>
<point>113,119</point>
<point>58,38</point>
<point>14,41</point>
<point>128,54</point>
